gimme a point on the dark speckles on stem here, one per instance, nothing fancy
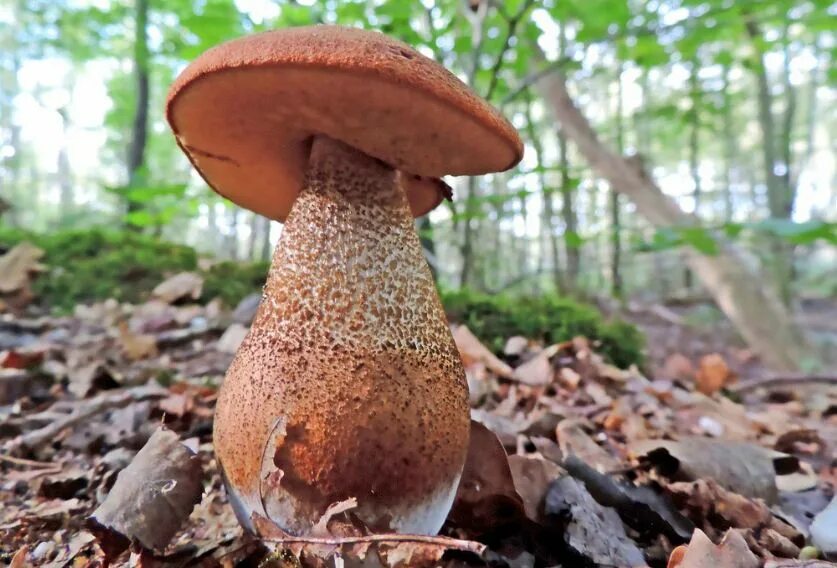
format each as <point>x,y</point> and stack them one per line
<point>351,341</point>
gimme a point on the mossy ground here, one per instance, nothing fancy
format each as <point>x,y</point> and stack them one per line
<point>91,265</point>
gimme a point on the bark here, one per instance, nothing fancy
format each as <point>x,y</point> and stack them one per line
<point>467,251</point>
<point>548,212</point>
<point>694,151</point>
<point>779,192</point>
<point>729,145</point>
<point>139,129</point>
<point>616,285</point>
<point>754,310</point>
<point>266,249</point>
<point>572,251</point>
<point>65,174</point>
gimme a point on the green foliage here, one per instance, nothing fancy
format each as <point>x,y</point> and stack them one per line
<point>550,318</point>
<point>91,265</point>
<point>232,281</point>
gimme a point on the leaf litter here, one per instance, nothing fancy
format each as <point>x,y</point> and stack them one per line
<point>573,461</point>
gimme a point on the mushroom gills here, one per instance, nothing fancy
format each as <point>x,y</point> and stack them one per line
<point>349,383</point>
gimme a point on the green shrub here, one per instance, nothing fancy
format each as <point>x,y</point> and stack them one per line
<point>550,318</point>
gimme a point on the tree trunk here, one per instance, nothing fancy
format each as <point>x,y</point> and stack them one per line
<point>572,250</point>
<point>139,130</point>
<point>694,150</point>
<point>65,173</point>
<point>467,250</point>
<point>267,249</point>
<point>616,286</point>
<point>548,213</point>
<point>729,146</point>
<point>779,193</point>
<point>755,311</point>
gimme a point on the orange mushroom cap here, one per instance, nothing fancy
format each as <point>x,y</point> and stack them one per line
<point>245,112</point>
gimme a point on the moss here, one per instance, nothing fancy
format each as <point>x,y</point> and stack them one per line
<point>96,264</point>
<point>90,265</point>
<point>232,281</point>
<point>550,318</point>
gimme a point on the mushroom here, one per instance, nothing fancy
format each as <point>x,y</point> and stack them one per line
<point>349,384</point>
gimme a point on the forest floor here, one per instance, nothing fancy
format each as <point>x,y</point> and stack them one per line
<point>573,462</point>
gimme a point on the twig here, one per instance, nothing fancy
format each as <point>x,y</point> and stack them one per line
<point>86,409</point>
<point>446,542</point>
<point>783,380</point>
<point>512,25</point>
<point>28,463</point>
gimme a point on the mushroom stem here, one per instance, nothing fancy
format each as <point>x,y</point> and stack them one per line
<point>349,383</point>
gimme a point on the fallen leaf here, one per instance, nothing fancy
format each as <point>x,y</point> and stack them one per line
<point>713,374</point>
<point>185,285</point>
<point>739,466</point>
<point>17,265</point>
<point>732,552</point>
<point>538,370</point>
<point>486,498</point>
<point>532,477</point>
<point>135,345</point>
<point>515,345</point>
<point>473,351</point>
<point>151,498</point>
<point>824,530</point>
<point>574,440</point>
<point>678,367</point>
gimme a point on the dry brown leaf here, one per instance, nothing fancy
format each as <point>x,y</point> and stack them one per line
<point>151,498</point>
<point>713,374</point>
<point>732,552</point>
<point>678,367</point>
<point>538,370</point>
<point>739,466</point>
<point>486,497</point>
<point>135,345</point>
<point>473,351</point>
<point>17,265</point>
<point>532,477</point>
<point>185,285</point>
<point>574,440</point>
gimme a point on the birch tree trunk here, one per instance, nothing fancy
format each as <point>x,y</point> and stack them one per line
<point>753,308</point>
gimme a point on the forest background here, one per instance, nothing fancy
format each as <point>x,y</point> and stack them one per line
<point>679,165</point>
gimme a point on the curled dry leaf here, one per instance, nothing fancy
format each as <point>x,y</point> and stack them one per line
<point>17,265</point>
<point>732,552</point>
<point>186,285</point>
<point>473,351</point>
<point>713,374</point>
<point>151,498</point>
<point>486,498</point>
<point>739,466</point>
